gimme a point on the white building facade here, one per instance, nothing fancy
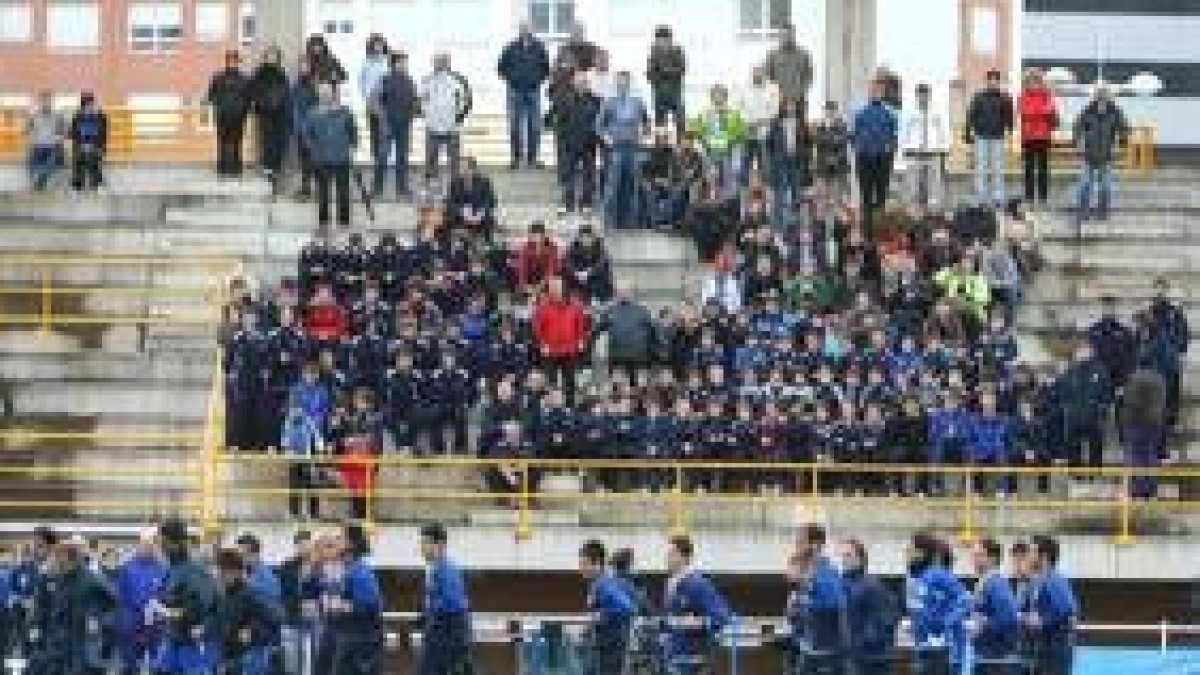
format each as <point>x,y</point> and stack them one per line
<point>723,39</point>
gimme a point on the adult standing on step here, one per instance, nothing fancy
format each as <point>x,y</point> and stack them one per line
<point>445,103</point>
<point>665,70</point>
<point>269,91</point>
<point>1039,119</point>
<point>398,104</point>
<point>229,95</point>
<point>989,121</point>
<point>524,66</point>
<point>331,137</point>
<point>790,67</point>
<point>1099,129</point>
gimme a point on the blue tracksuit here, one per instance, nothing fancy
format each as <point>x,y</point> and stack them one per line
<point>1057,609</point>
<point>188,644</point>
<point>265,583</point>
<point>995,606</point>
<point>948,434</point>
<point>816,612</point>
<point>352,641</point>
<point>612,610</point>
<point>447,616</point>
<point>989,438</point>
<point>870,622</point>
<point>139,580</point>
<point>937,603</point>
<point>692,595</point>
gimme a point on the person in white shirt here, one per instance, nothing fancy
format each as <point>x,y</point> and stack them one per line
<point>723,288</point>
<point>445,103</point>
<point>604,81</point>
<point>925,139</point>
<point>759,103</point>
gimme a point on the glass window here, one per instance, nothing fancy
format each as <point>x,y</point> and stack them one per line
<point>155,26</point>
<point>764,15</point>
<point>212,21</point>
<point>73,25</point>
<point>16,22</point>
<point>246,27</point>
<point>552,18</point>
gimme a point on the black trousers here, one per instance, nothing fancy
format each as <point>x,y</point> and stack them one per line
<point>874,182</point>
<point>87,170</point>
<point>1085,443</point>
<point>333,178</point>
<point>272,139</point>
<point>562,371</point>
<point>577,177</point>
<point>230,130</point>
<point>1036,157</point>
<point>301,479</point>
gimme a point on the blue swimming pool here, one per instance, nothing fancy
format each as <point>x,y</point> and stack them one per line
<point>1117,661</point>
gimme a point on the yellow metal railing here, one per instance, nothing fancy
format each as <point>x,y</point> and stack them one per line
<point>1136,155</point>
<point>677,496</point>
<point>30,294</point>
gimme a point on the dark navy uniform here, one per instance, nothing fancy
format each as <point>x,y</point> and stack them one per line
<point>871,617</point>
<point>248,629</point>
<point>70,611</point>
<point>189,643</point>
<point>1086,395</point>
<point>997,629</point>
<point>446,615</point>
<point>816,613</point>
<point>247,373</point>
<point>351,622</point>
<point>1055,611</point>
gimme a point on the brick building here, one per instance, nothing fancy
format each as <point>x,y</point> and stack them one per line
<point>143,53</point>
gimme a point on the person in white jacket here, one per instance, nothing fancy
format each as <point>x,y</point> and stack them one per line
<point>445,104</point>
<point>925,139</point>
<point>759,103</point>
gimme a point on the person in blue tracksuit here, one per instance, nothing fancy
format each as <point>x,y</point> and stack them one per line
<point>816,608</point>
<point>994,622</point>
<point>1054,611</point>
<point>188,606</point>
<point>139,580</point>
<point>990,443</point>
<point>871,614</point>
<point>936,605</point>
<point>695,613</point>
<point>948,435</point>
<point>262,578</point>
<point>248,626</point>
<point>446,611</point>
<point>349,608</point>
<point>611,610</point>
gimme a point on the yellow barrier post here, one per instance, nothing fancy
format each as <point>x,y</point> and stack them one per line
<point>967,534</point>
<point>1125,534</point>
<point>47,301</point>
<point>678,525</point>
<point>524,531</point>
<point>212,452</point>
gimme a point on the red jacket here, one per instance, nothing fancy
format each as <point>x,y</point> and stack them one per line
<point>326,322</point>
<point>560,326</point>
<point>537,261</point>
<point>1039,116</point>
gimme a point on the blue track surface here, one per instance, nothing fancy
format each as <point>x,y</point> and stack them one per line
<point>1114,661</point>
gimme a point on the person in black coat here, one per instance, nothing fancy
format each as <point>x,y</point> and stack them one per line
<point>271,97</point>
<point>398,103</point>
<point>1086,395</point>
<point>471,202</point>
<point>229,95</point>
<point>1113,343</point>
<point>248,626</point>
<point>322,64</point>
<point>572,117</point>
<point>89,143</point>
<point>871,613</point>
<point>711,221</point>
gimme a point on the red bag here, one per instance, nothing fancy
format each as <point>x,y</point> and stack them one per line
<point>356,465</point>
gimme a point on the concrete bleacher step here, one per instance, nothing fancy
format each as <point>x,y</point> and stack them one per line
<point>104,365</point>
<point>103,397</point>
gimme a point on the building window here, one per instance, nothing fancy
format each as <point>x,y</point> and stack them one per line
<point>73,25</point>
<point>155,26</point>
<point>16,22</point>
<point>338,26</point>
<point>212,21</point>
<point>764,16</point>
<point>247,24</point>
<point>552,18</point>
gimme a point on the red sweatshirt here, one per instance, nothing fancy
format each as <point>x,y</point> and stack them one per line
<point>326,322</point>
<point>560,326</point>
<point>1038,115</point>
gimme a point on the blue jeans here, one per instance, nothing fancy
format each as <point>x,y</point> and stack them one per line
<point>1098,179</point>
<point>524,124</point>
<point>396,134</point>
<point>669,101</point>
<point>620,186</point>
<point>989,170</point>
<point>44,161</point>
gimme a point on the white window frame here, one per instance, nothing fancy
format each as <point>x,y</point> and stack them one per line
<point>763,27</point>
<point>247,27</point>
<point>164,21</point>
<point>16,21</point>
<point>212,21</point>
<point>557,28</point>
<point>81,18</point>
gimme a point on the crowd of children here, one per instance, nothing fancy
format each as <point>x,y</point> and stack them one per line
<point>818,343</point>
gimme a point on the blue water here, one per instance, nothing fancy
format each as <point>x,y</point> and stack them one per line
<point>1115,661</point>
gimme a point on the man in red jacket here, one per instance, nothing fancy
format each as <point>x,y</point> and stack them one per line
<point>560,326</point>
<point>1039,118</point>
<point>536,260</point>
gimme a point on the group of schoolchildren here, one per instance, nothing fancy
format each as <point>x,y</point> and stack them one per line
<point>162,608</point>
